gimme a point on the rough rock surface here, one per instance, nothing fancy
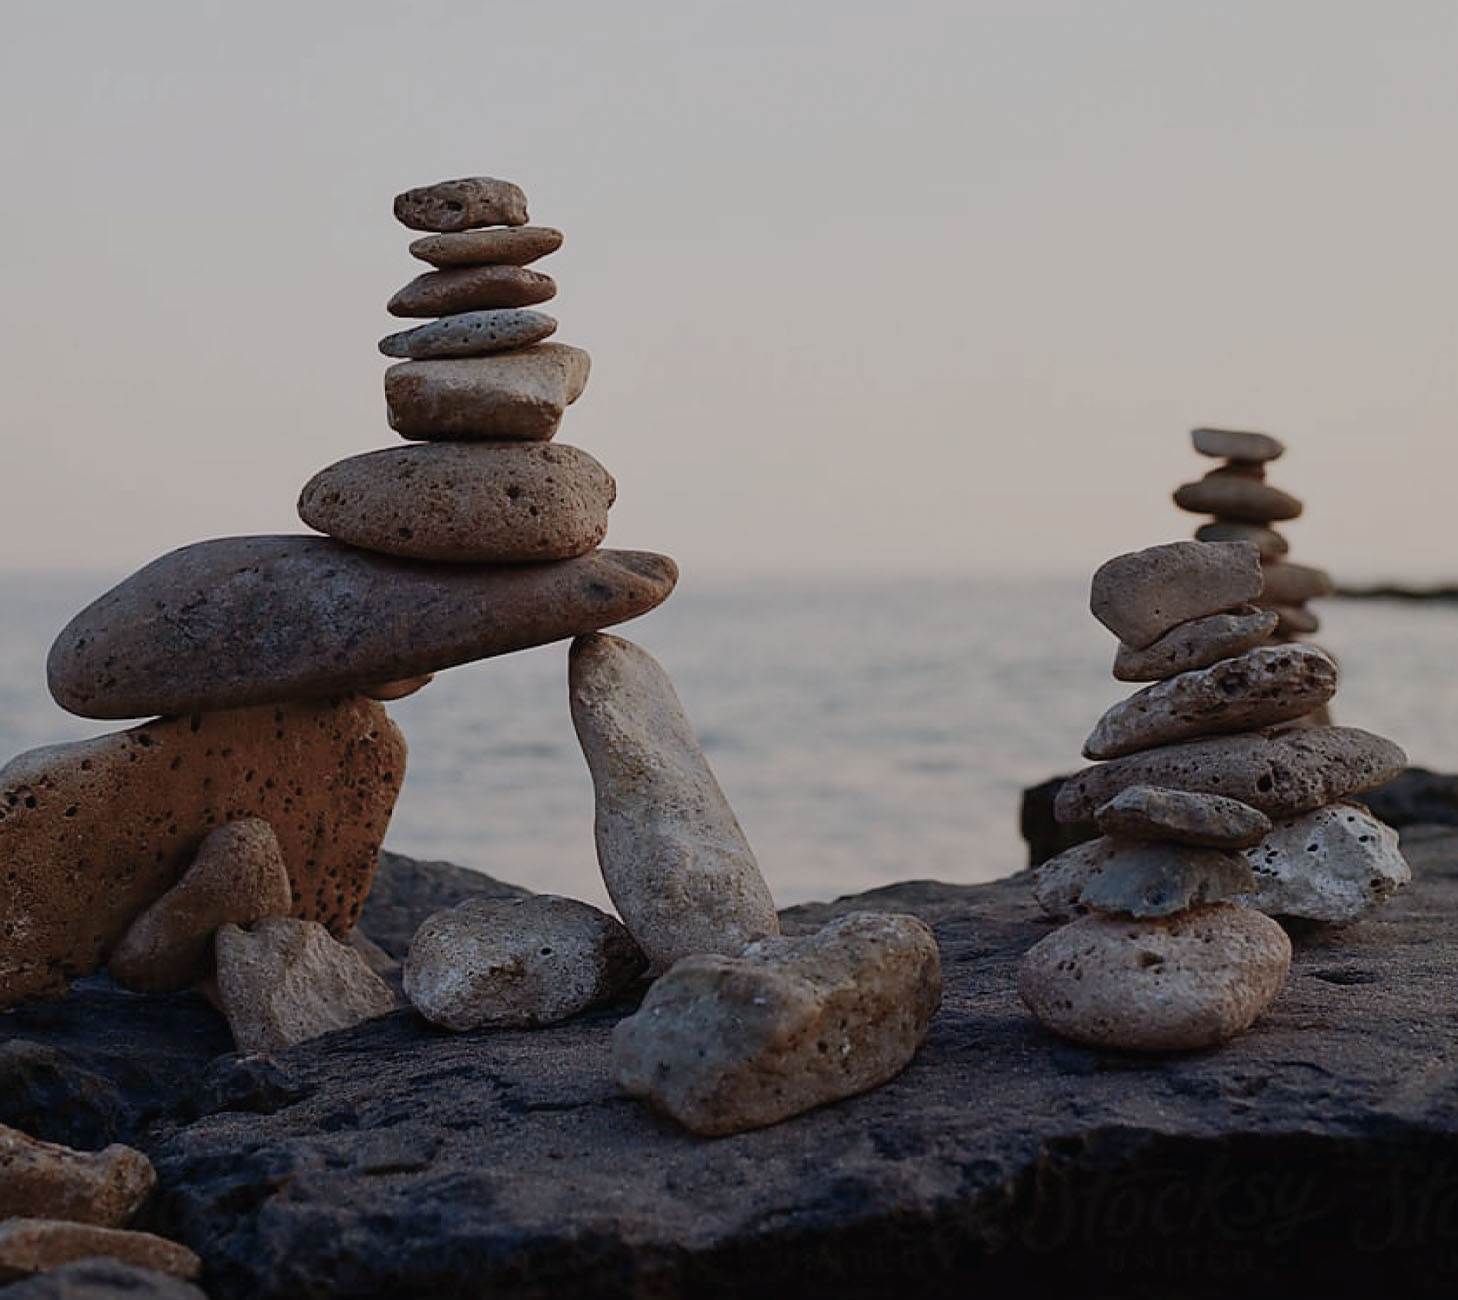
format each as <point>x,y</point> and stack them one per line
<point>246,620</point>
<point>1236,444</point>
<point>93,832</point>
<point>462,204</point>
<point>516,245</point>
<point>1113,875</point>
<point>101,1279</point>
<point>675,862</point>
<point>1147,812</point>
<point>33,1245</point>
<point>45,1179</point>
<point>470,334</point>
<point>1196,644</point>
<point>1144,594</point>
<point>469,289</point>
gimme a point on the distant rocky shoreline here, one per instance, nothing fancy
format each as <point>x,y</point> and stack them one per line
<point>1396,591</point>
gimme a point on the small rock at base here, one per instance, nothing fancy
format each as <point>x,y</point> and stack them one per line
<point>45,1180</point>
<point>1236,445</point>
<point>462,204</point>
<point>470,334</point>
<point>511,962</point>
<point>1196,644</point>
<point>30,1246</point>
<point>1267,541</point>
<point>1236,497</point>
<point>1149,812</point>
<point>471,289</point>
<point>1141,879</point>
<point>1142,595</point>
<point>1174,984</point>
<point>724,1044</point>
<point>514,245</point>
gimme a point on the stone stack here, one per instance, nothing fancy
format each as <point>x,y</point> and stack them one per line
<point>1215,807</point>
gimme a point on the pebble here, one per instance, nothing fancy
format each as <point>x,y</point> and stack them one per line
<point>1196,644</point>
<point>512,395</point>
<point>1147,812</point>
<point>1294,620</point>
<point>45,1180</point>
<point>1332,864</point>
<point>487,502</point>
<point>1294,584</point>
<point>1261,687</point>
<point>199,629</point>
<point>29,1246</point>
<point>284,981</point>
<point>675,862</point>
<point>94,831</point>
<point>1176,983</point>
<point>1235,497</point>
<point>515,245</point>
<point>397,690</point>
<point>1234,445</point>
<point>470,334</point>
<point>728,1043</point>
<point>1144,594</point>
<point>238,876</point>
<point>492,963</point>
<point>462,205</point>
<point>471,289</point>
<point>1267,541</point>
<point>1114,874</point>
<point>1282,772</point>
<point>102,1279</point>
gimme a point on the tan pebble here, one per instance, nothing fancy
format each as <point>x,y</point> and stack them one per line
<point>1236,497</point>
<point>1196,644</point>
<point>29,1246</point>
<point>1267,541</point>
<point>462,204</point>
<point>1293,620</point>
<point>471,289</point>
<point>513,245</point>
<point>43,1179</point>
<point>1294,584</point>
<point>397,690</point>
<point>1144,594</point>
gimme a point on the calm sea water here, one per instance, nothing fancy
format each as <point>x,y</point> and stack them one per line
<point>864,732</point>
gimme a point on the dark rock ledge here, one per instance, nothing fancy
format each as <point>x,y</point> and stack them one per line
<point>1317,1152</point>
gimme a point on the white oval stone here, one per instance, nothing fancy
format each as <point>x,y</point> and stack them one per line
<point>1110,874</point>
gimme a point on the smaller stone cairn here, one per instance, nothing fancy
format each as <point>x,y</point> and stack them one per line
<point>1217,810</point>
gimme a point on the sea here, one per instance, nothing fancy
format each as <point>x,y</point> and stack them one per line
<point>864,732</point>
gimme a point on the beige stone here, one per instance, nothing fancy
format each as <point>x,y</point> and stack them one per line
<point>1236,445</point>
<point>1267,541</point>
<point>1143,595</point>
<point>1176,983</point>
<point>1196,644</point>
<point>723,1044</point>
<point>238,876</point>
<point>482,502</point>
<point>1294,584</point>
<point>470,334</point>
<point>93,832</point>
<point>1143,879</point>
<point>503,962</point>
<point>676,864</point>
<point>462,204</point>
<point>1294,620</point>
<point>44,1180</point>
<point>513,245</point>
<point>29,1246</point>
<point>1263,686</point>
<point>1147,812</point>
<point>397,690</point>
<point>1237,497</point>
<point>471,289</point>
<point>285,981</point>
<point>512,395</point>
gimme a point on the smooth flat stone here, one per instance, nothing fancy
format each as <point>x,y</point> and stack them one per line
<point>1295,584</point>
<point>1196,644</point>
<point>471,288</point>
<point>1148,812</point>
<point>45,1180</point>
<point>1282,772</point>
<point>1168,984</point>
<point>462,205</point>
<point>470,334</point>
<point>1112,874</point>
<point>249,620</point>
<point>37,1245</point>
<point>387,691</point>
<point>483,502</point>
<point>1236,497</point>
<point>1267,541</point>
<point>1144,594</point>
<point>1294,620</point>
<point>1235,445</point>
<point>724,1044</point>
<point>1257,689</point>
<point>512,246</point>
<point>675,862</point>
<point>510,396</point>
<point>95,831</point>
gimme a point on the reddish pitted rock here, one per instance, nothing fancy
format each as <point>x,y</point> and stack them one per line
<point>471,289</point>
<point>514,246</point>
<point>1267,541</point>
<point>36,1245</point>
<point>1196,644</point>
<point>462,204</point>
<point>1144,594</point>
<point>45,1180</point>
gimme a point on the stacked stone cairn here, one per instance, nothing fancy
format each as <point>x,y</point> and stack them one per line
<point>1217,810</point>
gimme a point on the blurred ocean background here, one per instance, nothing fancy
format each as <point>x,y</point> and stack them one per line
<point>864,732</point>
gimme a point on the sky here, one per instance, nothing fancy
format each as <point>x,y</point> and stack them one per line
<point>923,289</point>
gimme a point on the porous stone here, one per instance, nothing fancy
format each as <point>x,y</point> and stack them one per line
<point>1267,541</point>
<point>1294,620</point>
<point>93,832</point>
<point>1196,644</point>
<point>462,204</point>
<point>496,962</point>
<point>470,334</point>
<point>1294,584</point>
<point>676,864</point>
<point>238,876</point>
<point>1263,686</point>
<point>1282,771</point>
<point>1236,445</point>
<point>1170,984</point>
<point>1236,497</point>
<point>397,690</point>
<point>1111,874</point>
<point>512,395</point>
<point>1142,595</point>
<point>514,245</point>
<point>1148,812</point>
<point>242,620</point>
<point>482,502</point>
<point>34,1245</point>
<point>724,1044</point>
<point>1333,864</point>
<point>470,289</point>
<point>46,1180</point>
<point>284,981</point>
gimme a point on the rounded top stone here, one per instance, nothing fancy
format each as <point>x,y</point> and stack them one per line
<point>1235,445</point>
<point>1142,595</point>
<point>462,204</point>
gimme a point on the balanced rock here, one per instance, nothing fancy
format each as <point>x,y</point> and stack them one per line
<point>675,862</point>
<point>93,832</point>
<point>1182,982</point>
<point>1267,541</point>
<point>481,502</point>
<point>511,395</point>
<point>1147,812</point>
<point>243,620</point>
<point>1294,584</point>
<point>35,1245</point>
<point>462,205</point>
<point>43,1180</point>
<point>1196,644</point>
<point>471,334</point>
<point>397,690</point>
<point>1141,596</point>
<point>514,245</point>
<point>723,1044</point>
<point>1294,620</point>
<point>1235,496</point>
<point>471,289</point>
<point>1233,444</point>
<point>238,876</point>
<point>1112,874</point>
<point>284,981</point>
<point>1263,686</point>
<point>499,962</point>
